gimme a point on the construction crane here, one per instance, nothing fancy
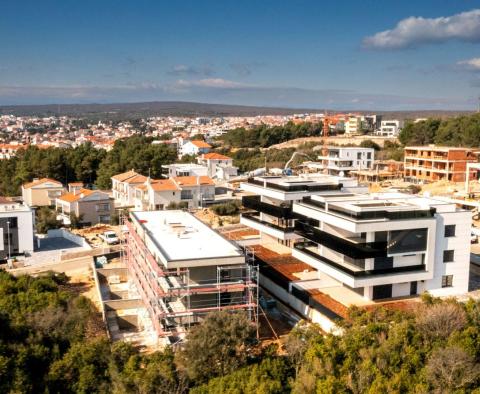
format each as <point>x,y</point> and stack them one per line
<point>286,169</point>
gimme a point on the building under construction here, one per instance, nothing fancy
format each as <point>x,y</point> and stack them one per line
<point>183,270</point>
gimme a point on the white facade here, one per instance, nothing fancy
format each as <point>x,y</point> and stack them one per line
<point>387,245</point>
<point>353,125</point>
<point>389,128</point>
<point>186,169</point>
<point>194,148</point>
<point>341,160</point>
<point>16,229</point>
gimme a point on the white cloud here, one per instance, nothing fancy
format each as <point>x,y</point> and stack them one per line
<point>413,31</point>
<point>470,64</point>
<point>218,83</point>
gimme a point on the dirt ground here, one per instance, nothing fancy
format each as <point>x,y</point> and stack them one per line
<point>215,221</point>
<point>91,234</point>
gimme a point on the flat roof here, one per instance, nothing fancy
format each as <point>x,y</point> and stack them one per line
<point>304,179</point>
<point>181,236</point>
<point>438,148</point>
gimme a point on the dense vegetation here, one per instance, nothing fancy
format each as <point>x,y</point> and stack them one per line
<point>458,131</point>
<point>51,341</point>
<point>265,136</point>
<point>83,163</point>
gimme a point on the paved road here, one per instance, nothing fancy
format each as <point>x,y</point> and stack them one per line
<point>51,250</point>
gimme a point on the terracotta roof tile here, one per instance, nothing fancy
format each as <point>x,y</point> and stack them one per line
<point>39,182</point>
<point>192,180</point>
<point>215,156</point>
<point>200,144</point>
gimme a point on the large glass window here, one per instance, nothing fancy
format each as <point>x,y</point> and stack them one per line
<point>447,280</point>
<point>406,241</point>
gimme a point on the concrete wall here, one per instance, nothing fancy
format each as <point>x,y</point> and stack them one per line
<point>63,233</point>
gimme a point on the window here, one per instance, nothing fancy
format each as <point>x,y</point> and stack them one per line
<point>447,280</point>
<point>407,241</point>
<point>359,155</point>
<point>369,155</point>
<point>186,195</point>
<point>450,230</point>
<point>448,256</point>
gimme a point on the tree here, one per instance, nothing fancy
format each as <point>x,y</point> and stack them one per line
<point>219,345</point>
<point>46,219</point>
<point>76,221</point>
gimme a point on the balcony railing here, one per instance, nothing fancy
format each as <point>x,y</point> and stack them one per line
<point>256,219</point>
<point>304,248</point>
<point>375,214</point>
<point>351,249</point>
<point>253,202</point>
<point>295,188</point>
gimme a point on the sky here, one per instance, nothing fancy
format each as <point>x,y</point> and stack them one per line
<point>338,54</point>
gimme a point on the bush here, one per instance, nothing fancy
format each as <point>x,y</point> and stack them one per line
<point>226,209</point>
<point>180,205</point>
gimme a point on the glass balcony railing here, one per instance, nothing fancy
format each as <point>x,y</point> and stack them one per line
<point>253,202</point>
<point>255,218</point>
<point>305,187</point>
<point>375,214</point>
<point>308,249</point>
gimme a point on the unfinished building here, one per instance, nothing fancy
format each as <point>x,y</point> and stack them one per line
<point>183,270</point>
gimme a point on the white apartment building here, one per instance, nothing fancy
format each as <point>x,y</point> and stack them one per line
<point>218,166</point>
<point>389,128</point>
<point>272,200</point>
<point>353,124</point>
<point>386,245</point>
<point>123,187</point>
<point>339,161</point>
<point>16,229</point>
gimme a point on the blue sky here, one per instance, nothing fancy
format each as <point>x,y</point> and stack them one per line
<point>369,54</point>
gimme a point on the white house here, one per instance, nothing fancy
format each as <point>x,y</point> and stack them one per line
<point>389,128</point>
<point>340,161</point>
<point>218,166</point>
<point>195,147</point>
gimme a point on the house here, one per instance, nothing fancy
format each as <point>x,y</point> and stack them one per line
<point>91,206</point>
<point>185,169</point>
<point>185,271</point>
<point>41,192</point>
<point>438,163</point>
<point>194,147</point>
<point>16,229</point>
<point>341,160</point>
<point>218,166</point>
<point>123,186</point>
<point>158,194</point>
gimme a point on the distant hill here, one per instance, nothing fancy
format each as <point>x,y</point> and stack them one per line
<point>179,108</point>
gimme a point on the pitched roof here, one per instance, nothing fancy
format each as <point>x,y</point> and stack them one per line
<point>124,176</point>
<point>164,185</point>
<point>40,182</point>
<point>192,180</point>
<point>71,197</point>
<point>200,144</point>
<point>215,156</point>
<point>136,179</point>
<point>75,184</point>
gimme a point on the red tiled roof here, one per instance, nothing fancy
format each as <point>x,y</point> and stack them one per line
<point>39,182</point>
<point>215,156</point>
<point>192,180</point>
<point>200,144</point>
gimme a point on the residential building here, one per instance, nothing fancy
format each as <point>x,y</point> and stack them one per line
<point>341,160</point>
<point>16,229</point>
<point>158,194</point>
<point>438,163</point>
<point>182,270</point>
<point>381,246</point>
<point>218,166</point>
<point>41,192</point>
<point>90,206</point>
<point>185,169</point>
<point>389,128</point>
<point>194,147</point>
<point>123,187</point>
<point>272,200</point>
<point>353,124</point>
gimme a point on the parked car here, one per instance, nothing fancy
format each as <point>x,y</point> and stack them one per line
<point>110,237</point>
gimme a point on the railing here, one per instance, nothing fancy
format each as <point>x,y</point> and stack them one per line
<point>253,202</point>
<point>303,247</point>
<point>354,250</point>
<point>295,188</point>
<point>256,219</point>
<point>376,214</point>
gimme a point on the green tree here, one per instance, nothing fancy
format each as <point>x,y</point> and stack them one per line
<point>46,219</point>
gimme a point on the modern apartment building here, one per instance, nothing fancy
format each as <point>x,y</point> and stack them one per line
<point>41,192</point>
<point>387,245</point>
<point>182,270</point>
<point>339,161</point>
<point>272,200</point>
<point>436,163</point>
<point>389,128</point>
<point>16,229</point>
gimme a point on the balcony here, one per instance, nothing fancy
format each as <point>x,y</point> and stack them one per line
<point>253,202</point>
<point>305,187</point>
<point>308,248</point>
<point>371,215</point>
<point>354,250</point>
<point>254,221</point>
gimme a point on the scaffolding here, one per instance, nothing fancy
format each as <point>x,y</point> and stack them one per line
<point>174,300</point>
